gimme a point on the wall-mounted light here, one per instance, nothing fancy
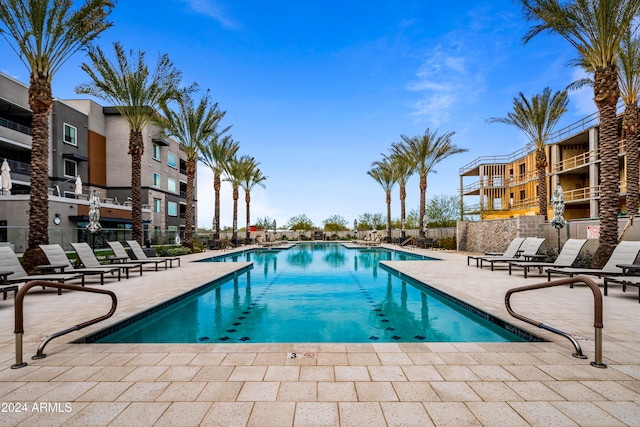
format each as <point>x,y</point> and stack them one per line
<point>56,219</point>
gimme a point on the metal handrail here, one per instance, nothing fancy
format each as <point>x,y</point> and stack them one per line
<point>19,316</point>
<point>597,314</point>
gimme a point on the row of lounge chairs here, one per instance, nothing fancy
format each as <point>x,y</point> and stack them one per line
<point>522,253</point>
<point>61,269</point>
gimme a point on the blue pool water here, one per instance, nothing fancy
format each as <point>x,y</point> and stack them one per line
<point>313,293</point>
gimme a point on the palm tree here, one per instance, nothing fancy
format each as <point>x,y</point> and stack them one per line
<point>137,94</point>
<point>385,175</point>
<point>424,152</point>
<point>234,175</point>
<point>216,154</point>
<point>191,125</point>
<point>403,167</point>
<point>596,29</point>
<point>44,34</point>
<point>251,176</point>
<point>629,80</point>
<point>537,118</point>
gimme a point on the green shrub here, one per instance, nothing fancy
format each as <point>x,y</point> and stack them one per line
<point>172,250</point>
<point>446,243</point>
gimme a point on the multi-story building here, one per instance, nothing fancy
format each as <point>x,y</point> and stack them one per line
<point>507,186</point>
<point>89,141</point>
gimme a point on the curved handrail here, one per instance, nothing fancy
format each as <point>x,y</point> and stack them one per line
<point>597,313</point>
<point>19,316</point>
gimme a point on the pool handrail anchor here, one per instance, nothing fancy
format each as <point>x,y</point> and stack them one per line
<point>19,316</point>
<point>597,314</point>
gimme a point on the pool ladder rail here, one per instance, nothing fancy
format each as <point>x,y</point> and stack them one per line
<point>19,316</point>
<point>597,314</point>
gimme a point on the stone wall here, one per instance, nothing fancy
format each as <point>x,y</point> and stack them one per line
<point>495,235</point>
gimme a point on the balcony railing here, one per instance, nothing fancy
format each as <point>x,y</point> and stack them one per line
<point>576,161</point>
<point>507,158</point>
<point>15,126</point>
<point>18,167</point>
<point>529,202</point>
<point>585,193</point>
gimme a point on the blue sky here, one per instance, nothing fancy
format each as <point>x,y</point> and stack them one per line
<point>316,91</point>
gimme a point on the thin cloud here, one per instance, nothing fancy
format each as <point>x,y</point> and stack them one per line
<point>443,80</point>
<point>212,9</point>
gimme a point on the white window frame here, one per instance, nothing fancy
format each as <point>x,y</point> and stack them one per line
<point>169,156</point>
<point>159,180</point>
<point>156,152</point>
<point>75,166</point>
<point>175,205</point>
<point>75,134</point>
<point>175,185</point>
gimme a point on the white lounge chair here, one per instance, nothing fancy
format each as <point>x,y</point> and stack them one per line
<point>566,258</point>
<point>528,250</point>
<point>510,252</point>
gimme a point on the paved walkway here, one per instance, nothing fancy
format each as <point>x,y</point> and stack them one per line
<point>443,384</point>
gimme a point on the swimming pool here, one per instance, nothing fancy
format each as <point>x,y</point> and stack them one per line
<point>311,293</point>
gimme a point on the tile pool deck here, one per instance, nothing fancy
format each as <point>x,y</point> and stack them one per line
<point>442,384</point>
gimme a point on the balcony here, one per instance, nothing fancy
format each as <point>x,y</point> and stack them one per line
<point>575,162</point>
<point>15,126</point>
<point>582,194</point>
<point>18,167</point>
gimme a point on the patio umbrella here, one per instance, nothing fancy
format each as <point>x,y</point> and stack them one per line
<point>94,213</point>
<point>557,201</point>
<point>6,178</point>
<point>78,189</point>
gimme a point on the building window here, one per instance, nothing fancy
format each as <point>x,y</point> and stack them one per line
<point>70,135</point>
<point>156,152</point>
<point>70,168</point>
<point>522,170</point>
<point>522,194</point>
<point>172,160</point>
<point>171,185</point>
<point>172,209</point>
<point>156,179</point>
<point>172,229</point>
<point>157,205</point>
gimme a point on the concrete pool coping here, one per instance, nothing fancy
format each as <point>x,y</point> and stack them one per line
<point>341,384</point>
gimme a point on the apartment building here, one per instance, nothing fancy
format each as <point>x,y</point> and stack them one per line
<point>504,186</point>
<point>89,141</point>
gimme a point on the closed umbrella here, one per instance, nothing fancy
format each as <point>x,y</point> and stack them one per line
<point>78,189</point>
<point>6,178</point>
<point>94,213</point>
<point>557,201</point>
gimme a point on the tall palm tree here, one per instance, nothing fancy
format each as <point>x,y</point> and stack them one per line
<point>251,176</point>
<point>137,94</point>
<point>234,173</point>
<point>596,30</point>
<point>403,168</point>
<point>191,125</point>
<point>537,118</point>
<point>216,154</point>
<point>44,35</point>
<point>385,175</point>
<point>424,152</point>
<point>629,80</point>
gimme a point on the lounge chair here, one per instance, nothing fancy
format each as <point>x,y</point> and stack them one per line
<point>625,253</point>
<point>528,250</point>
<point>9,262</point>
<point>510,252</point>
<point>58,260</point>
<point>566,258</point>
<point>624,281</point>
<point>89,260</point>
<point>140,255</point>
<point>121,254</point>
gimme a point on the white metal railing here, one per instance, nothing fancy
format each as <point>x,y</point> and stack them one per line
<point>584,193</point>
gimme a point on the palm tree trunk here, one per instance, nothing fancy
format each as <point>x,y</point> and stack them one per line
<point>235,214</point>
<point>606,94</point>
<point>423,204</point>
<point>136,148</point>
<point>40,101</point>
<point>388,216</point>
<point>188,221</point>
<point>216,208</point>
<point>403,196</point>
<point>247,199</point>
<point>541,165</point>
<point>631,132</point>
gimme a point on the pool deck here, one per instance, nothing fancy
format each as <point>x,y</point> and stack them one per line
<point>390,384</point>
